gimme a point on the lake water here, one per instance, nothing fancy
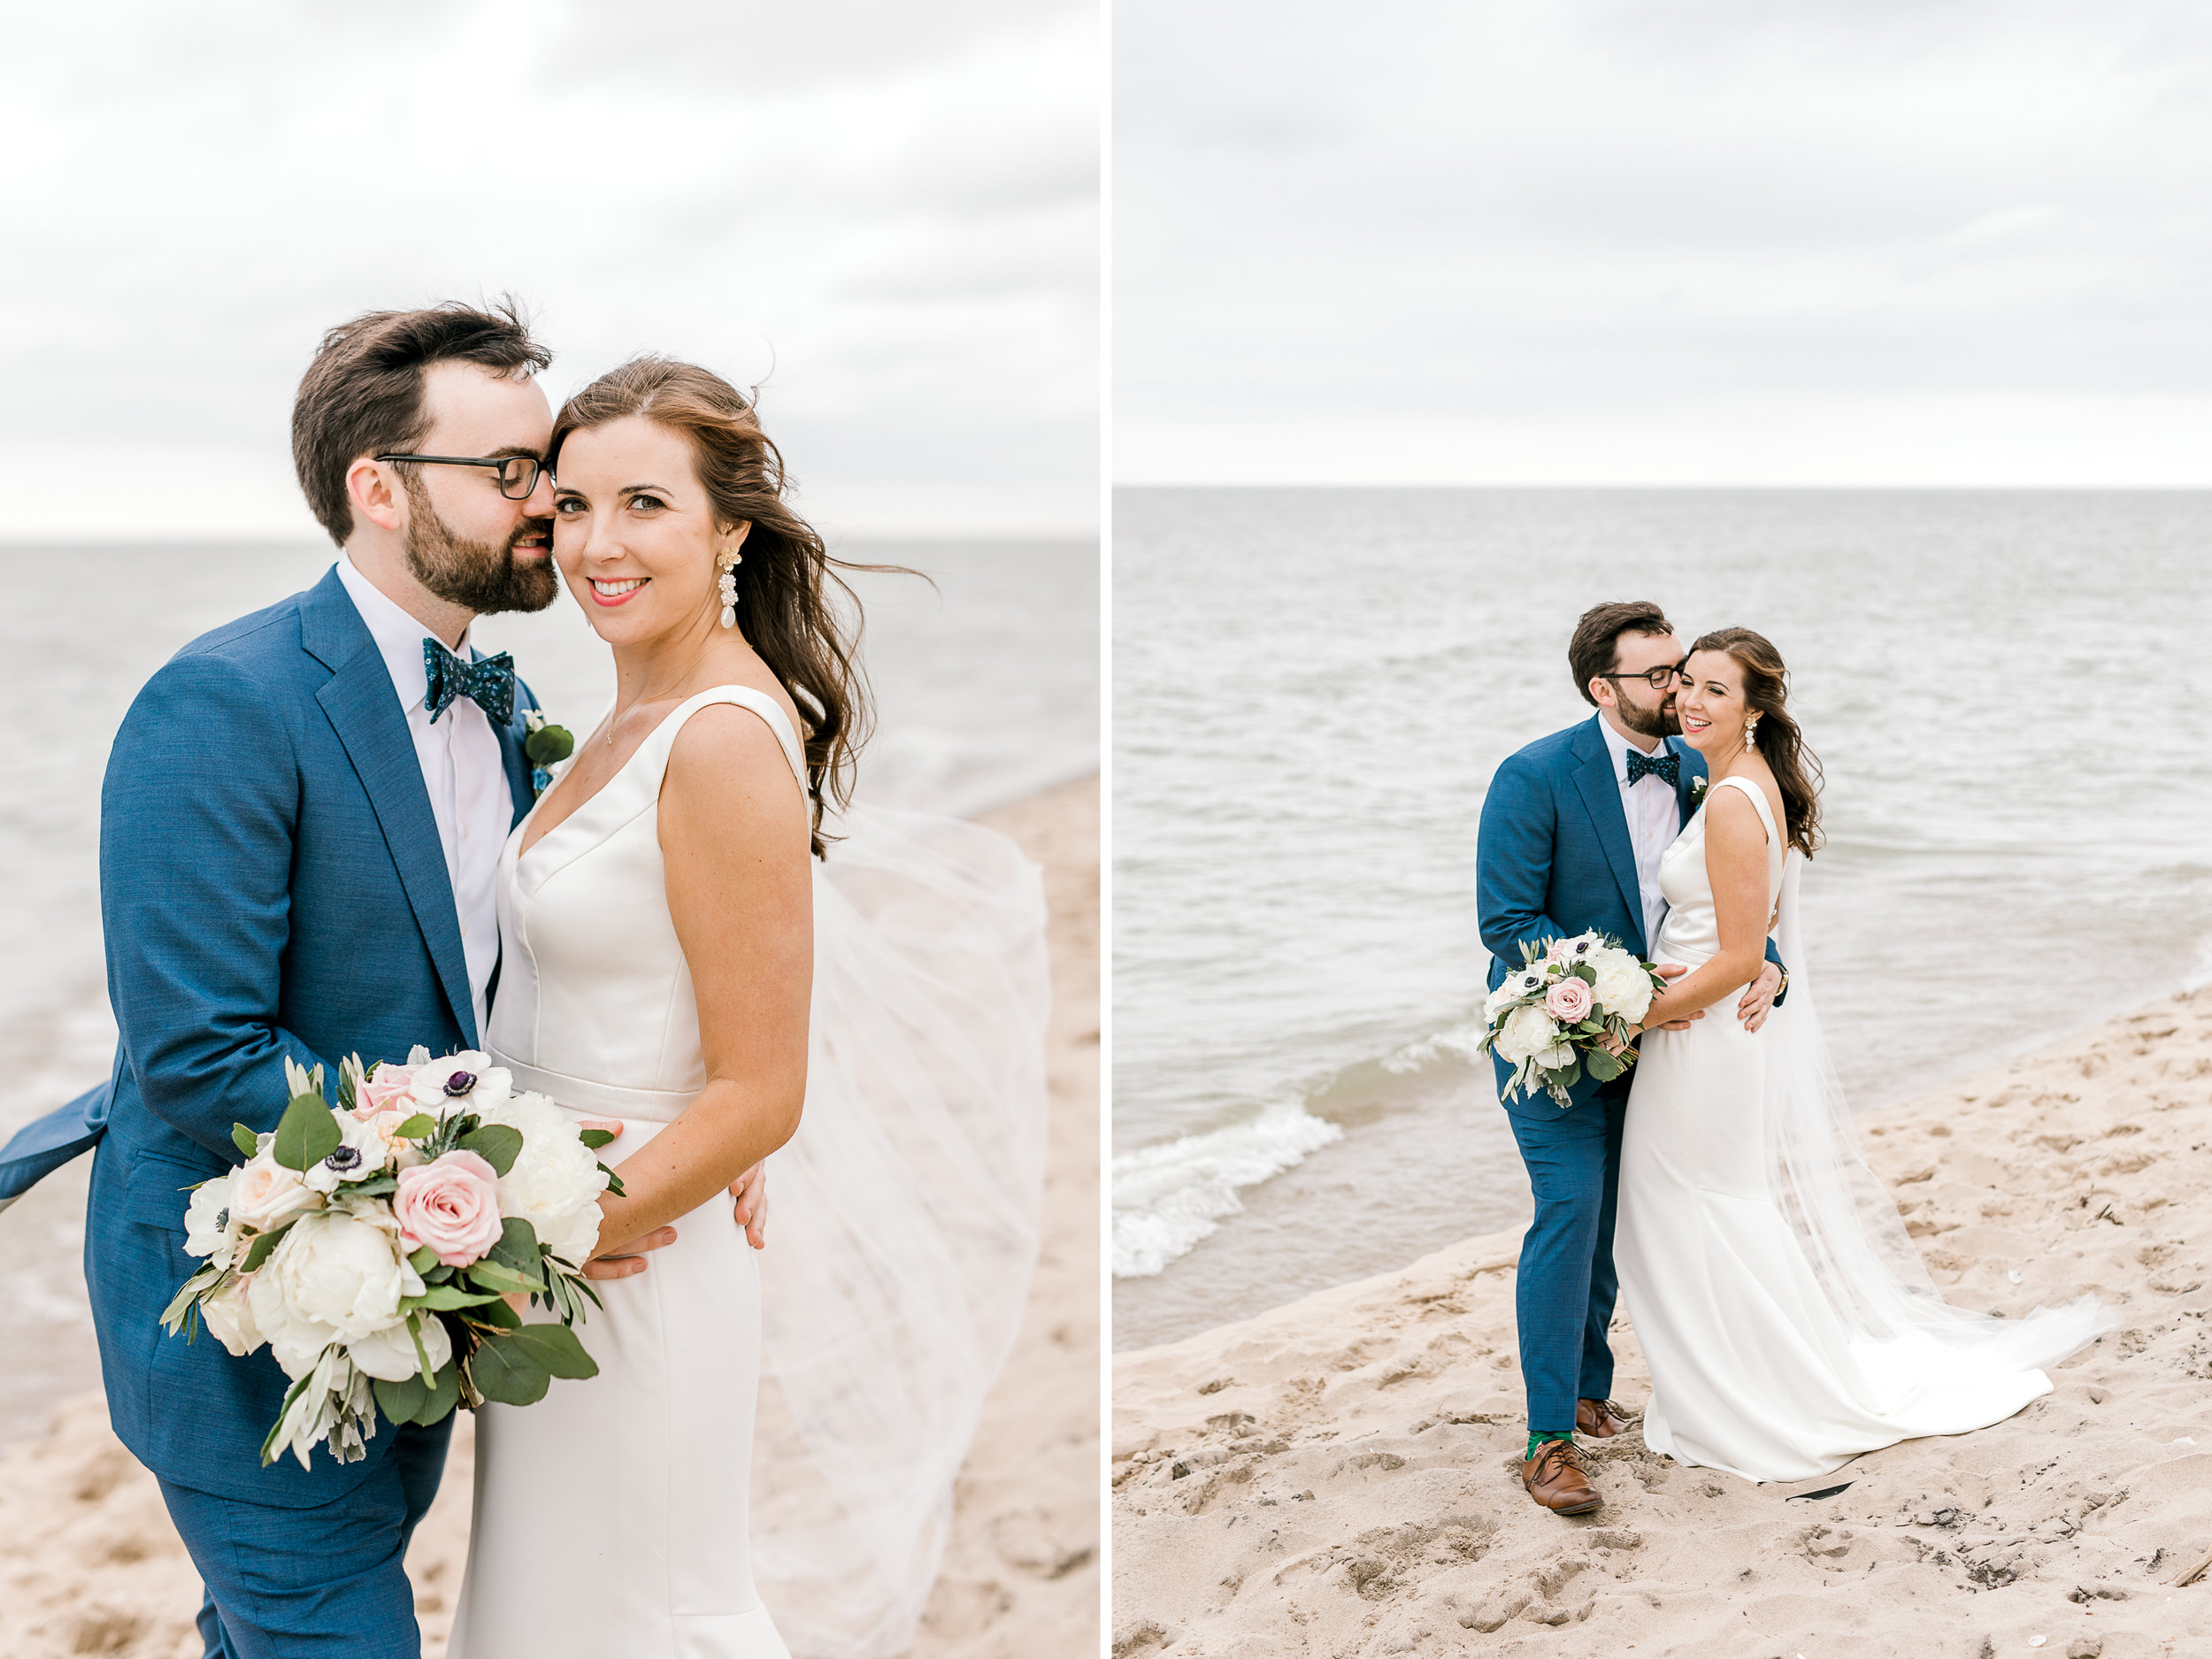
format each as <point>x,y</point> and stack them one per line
<point>987,690</point>
<point>1312,688</point>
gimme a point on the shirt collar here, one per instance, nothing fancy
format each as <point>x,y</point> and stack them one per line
<point>398,635</point>
<point>1616,746</point>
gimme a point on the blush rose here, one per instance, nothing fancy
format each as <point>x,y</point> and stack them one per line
<point>1569,1000</point>
<point>451,1205</point>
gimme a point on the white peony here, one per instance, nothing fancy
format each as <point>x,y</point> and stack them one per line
<point>228,1315</point>
<point>1622,986</point>
<point>1527,1031</point>
<point>1557,1057</point>
<point>556,1179</point>
<point>210,1229</point>
<point>333,1278</point>
<point>389,1354</point>
<point>263,1195</point>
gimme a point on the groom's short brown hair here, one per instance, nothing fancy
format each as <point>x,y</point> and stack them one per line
<point>1596,646</point>
<point>363,393</point>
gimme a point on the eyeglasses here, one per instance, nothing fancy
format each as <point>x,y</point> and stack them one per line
<point>518,473</point>
<point>1657,679</point>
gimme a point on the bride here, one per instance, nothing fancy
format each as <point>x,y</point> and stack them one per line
<point>1787,1320</point>
<point>697,941</point>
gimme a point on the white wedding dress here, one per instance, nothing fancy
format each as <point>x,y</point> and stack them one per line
<point>1787,1320</point>
<point>623,1514</point>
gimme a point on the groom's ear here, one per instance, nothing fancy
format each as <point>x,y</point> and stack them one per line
<point>372,488</point>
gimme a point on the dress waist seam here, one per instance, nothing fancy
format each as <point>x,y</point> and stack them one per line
<point>647,1105</point>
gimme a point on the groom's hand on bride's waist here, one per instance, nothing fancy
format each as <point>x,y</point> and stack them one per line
<point>1758,997</point>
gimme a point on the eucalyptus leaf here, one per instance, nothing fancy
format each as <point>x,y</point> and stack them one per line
<point>490,1275</point>
<point>446,1298</point>
<point>246,1141</point>
<point>499,1145</point>
<point>444,1396</point>
<point>517,1248</point>
<point>416,1127</point>
<point>614,1182</point>
<point>555,1347</point>
<point>594,1139</point>
<point>306,1134</point>
<point>504,1369</point>
<point>400,1401</point>
<point>1603,1065</point>
<point>497,1312</point>
<point>263,1243</point>
<point>423,1259</point>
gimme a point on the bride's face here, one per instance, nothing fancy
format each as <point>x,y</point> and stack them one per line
<point>635,532</point>
<point>1711,702</point>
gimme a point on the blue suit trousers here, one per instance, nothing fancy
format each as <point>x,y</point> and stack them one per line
<point>315,1583</point>
<point>1566,1286</point>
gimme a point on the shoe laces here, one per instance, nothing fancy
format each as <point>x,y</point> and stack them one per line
<point>1553,1452</point>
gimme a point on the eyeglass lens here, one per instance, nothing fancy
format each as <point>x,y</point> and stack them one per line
<point>518,477</point>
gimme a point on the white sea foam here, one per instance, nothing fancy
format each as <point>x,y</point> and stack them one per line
<point>1168,1197</point>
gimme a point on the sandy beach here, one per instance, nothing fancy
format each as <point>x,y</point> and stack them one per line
<point>1337,1476</point>
<point>89,1564</point>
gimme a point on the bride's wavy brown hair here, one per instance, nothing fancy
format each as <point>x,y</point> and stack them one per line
<point>1779,738</point>
<point>787,584</point>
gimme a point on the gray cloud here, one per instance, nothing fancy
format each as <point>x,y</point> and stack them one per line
<point>892,209</point>
<point>1616,241</point>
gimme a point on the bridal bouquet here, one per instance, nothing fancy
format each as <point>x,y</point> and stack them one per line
<point>372,1246</point>
<point>1550,1018</point>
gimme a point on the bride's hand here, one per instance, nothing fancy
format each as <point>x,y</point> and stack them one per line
<point>1667,971</point>
<point>627,1259</point>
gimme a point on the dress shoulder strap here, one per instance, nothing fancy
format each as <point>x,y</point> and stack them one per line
<point>662,737</point>
<point>1758,801</point>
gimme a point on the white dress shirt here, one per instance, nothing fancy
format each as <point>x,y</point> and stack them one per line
<point>1653,818</point>
<point>462,769</point>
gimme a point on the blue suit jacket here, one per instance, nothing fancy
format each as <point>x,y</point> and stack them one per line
<point>1554,859</point>
<point>272,885</point>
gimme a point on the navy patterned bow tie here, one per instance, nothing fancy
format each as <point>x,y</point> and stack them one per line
<point>1665,765</point>
<point>489,685</point>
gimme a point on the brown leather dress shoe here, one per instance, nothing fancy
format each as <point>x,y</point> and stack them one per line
<point>1600,1419</point>
<point>1556,1480</point>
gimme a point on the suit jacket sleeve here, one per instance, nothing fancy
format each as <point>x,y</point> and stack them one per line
<point>196,821</point>
<point>1513,854</point>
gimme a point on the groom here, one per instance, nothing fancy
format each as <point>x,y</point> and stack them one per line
<point>300,836</point>
<point>1572,830</point>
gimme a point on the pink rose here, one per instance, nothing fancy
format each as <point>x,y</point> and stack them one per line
<point>1569,1000</point>
<point>451,1205</point>
<point>388,1087</point>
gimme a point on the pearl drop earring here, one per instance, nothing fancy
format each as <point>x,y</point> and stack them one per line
<point>1751,733</point>
<point>731,560</point>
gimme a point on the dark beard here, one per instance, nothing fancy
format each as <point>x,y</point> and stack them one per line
<point>481,578</point>
<point>1661,722</point>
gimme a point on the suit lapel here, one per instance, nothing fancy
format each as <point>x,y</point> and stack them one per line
<point>364,710</point>
<point>1601,792</point>
<point>511,738</point>
<point>1686,782</point>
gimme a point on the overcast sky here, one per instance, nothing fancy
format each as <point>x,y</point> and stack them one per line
<point>888,212</point>
<point>1672,242</point>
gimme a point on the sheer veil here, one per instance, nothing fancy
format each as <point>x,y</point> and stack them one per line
<point>1852,1238</point>
<point>902,1219</point>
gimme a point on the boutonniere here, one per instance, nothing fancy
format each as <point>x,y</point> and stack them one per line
<point>1697,792</point>
<point>547,745</point>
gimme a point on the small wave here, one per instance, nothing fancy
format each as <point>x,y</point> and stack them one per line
<point>1170,1196</point>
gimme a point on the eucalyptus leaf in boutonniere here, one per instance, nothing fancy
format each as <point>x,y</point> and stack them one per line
<point>547,746</point>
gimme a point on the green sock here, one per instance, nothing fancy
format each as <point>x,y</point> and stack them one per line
<point>1536,1439</point>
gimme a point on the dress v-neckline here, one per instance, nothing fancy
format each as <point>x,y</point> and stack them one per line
<point>780,728</point>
